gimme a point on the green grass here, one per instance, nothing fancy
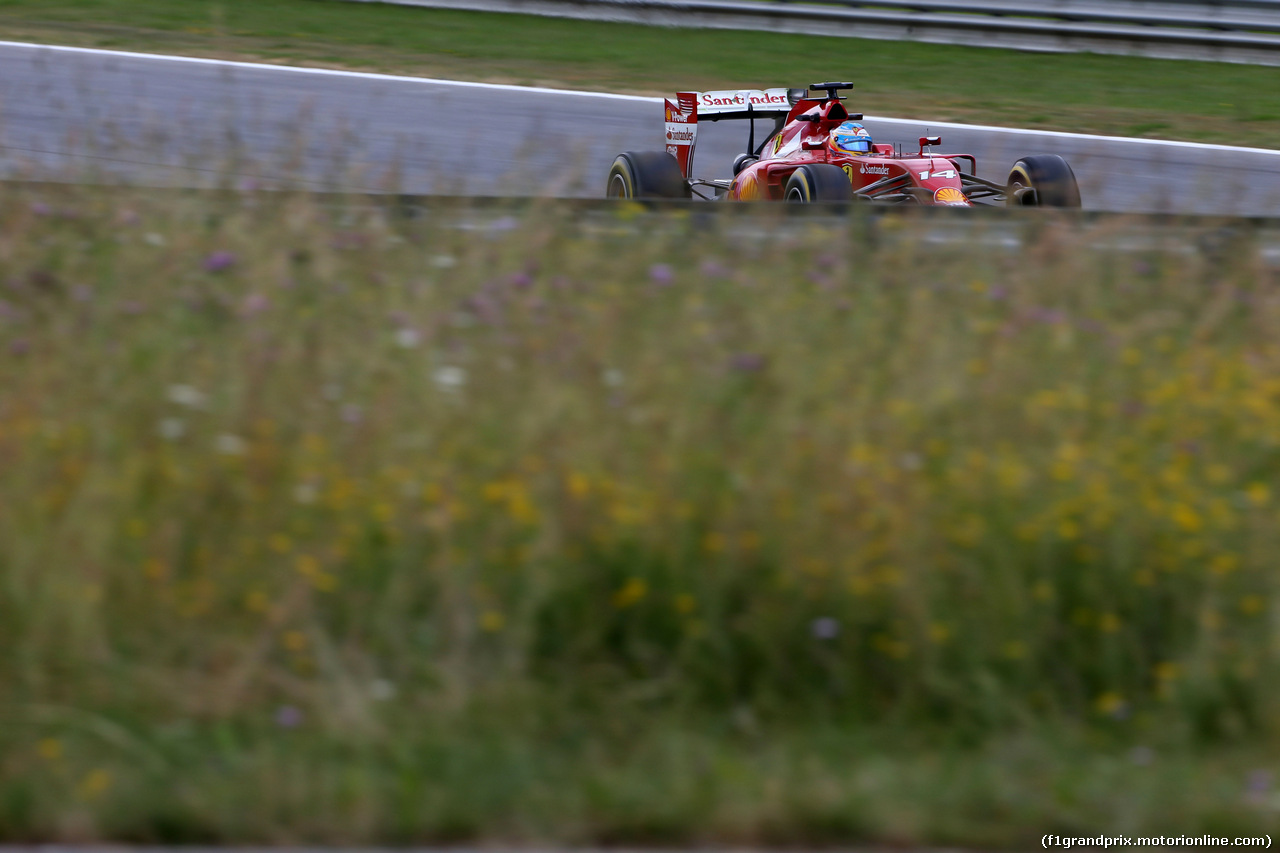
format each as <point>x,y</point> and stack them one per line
<point>1212,102</point>
<point>320,524</point>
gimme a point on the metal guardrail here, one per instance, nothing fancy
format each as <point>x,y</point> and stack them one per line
<point>1245,31</point>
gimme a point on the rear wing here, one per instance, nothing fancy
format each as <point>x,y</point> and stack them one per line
<point>682,115</point>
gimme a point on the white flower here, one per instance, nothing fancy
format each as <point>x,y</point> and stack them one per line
<point>154,239</point>
<point>444,261</point>
<point>612,377</point>
<point>230,445</point>
<point>382,690</point>
<point>185,395</point>
<point>305,493</point>
<point>408,338</point>
<point>172,428</point>
<point>450,378</point>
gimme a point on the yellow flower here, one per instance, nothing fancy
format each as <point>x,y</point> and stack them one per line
<point>632,592</point>
<point>1109,704</point>
<point>492,621</point>
<point>1186,518</point>
<point>1167,671</point>
<point>1108,623</point>
<point>1224,564</point>
<point>156,570</point>
<point>579,485</point>
<point>50,748</point>
<point>294,641</point>
<point>1251,605</point>
<point>307,565</point>
<point>280,543</point>
<point>94,784</point>
<point>939,632</point>
<point>685,603</point>
<point>1258,493</point>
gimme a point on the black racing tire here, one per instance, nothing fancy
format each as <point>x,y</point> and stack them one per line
<point>1051,178</point>
<point>818,182</point>
<point>646,174</point>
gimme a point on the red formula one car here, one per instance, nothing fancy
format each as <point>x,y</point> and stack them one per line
<point>819,151</point>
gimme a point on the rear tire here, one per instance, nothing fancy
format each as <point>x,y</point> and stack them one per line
<point>646,174</point>
<point>818,182</point>
<point>1051,178</point>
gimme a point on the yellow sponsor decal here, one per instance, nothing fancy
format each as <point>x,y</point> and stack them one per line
<point>848,172</point>
<point>951,196</point>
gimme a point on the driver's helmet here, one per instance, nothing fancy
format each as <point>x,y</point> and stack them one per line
<point>850,138</point>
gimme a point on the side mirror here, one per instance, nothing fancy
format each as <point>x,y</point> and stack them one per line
<point>929,140</point>
<point>795,96</point>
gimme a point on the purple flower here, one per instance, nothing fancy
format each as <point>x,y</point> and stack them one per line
<point>748,362</point>
<point>288,717</point>
<point>219,261</point>
<point>825,628</point>
<point>661,274</point>
<point>1142,267</point>
<point>254,303</point>
<point>505,223</point>
<point>1048,316</point>
<point>714,269</point>
<point>20,347</point>
<point>1259,781</point>
<point>352,414</point>
<point>521,280</point>
<point>349,240</point>
<point>1141,755</point>
<point>39,208</point>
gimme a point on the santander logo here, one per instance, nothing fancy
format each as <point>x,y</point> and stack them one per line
<point>679,135</point>
<point>741,99</point>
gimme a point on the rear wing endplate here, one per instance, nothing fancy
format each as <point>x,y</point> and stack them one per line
<point>682,115</point>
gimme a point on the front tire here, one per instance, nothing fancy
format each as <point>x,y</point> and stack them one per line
<point>817,182</point>
<point>1043,180</point>
<point>646,174</point>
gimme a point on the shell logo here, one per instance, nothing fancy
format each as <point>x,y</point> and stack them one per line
<point>749,189</point>
<point>668,113</point>
<point>952,197</point>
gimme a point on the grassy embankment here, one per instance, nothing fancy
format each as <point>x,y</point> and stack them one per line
<point>1210,102</point>
<point>340,528</point>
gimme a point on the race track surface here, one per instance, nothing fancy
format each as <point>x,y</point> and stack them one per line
<point>84,115</point>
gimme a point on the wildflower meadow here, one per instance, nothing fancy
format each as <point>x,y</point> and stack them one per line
<point>322,520</point>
